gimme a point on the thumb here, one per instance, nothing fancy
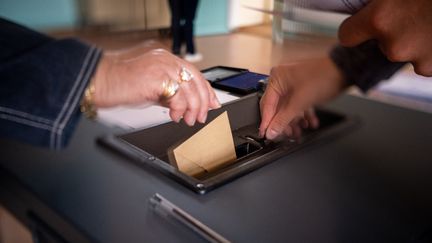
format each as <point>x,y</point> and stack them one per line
<point>357,28</point>
<point>268,106</point>
<point>280,122</point>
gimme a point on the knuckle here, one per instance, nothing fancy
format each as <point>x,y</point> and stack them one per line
<point>178,106</point>
<point>193,106</point>
<point>204,103</point>
<point>275,73</point>
<point>378,22</point>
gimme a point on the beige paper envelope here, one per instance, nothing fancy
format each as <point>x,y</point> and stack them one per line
<point>188,167</point>
<point>208,149</point>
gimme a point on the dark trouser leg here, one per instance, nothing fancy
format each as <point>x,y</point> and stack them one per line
<point>189,10</point>
<point>175,25</point>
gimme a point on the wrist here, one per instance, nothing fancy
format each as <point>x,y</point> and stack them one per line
<point>100,81</point>
<point>336,75</point>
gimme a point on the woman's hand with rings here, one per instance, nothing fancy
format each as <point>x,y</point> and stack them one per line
<point>154,76</point>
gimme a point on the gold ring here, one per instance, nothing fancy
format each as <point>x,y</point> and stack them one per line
<point>185,75</point>
<point>170,88</point>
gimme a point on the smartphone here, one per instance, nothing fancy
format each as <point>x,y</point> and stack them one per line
<point>235,80</point>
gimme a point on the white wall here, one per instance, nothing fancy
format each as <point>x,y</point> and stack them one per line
<point>239,16</point>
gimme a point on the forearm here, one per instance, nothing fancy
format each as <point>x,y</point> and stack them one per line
<point>364,65</point>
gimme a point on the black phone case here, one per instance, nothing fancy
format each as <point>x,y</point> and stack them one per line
<point>218,82</point>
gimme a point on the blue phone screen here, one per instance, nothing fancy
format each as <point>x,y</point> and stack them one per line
<point>245,81</point>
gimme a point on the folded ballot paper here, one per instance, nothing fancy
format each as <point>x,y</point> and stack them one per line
<point>207,150</point>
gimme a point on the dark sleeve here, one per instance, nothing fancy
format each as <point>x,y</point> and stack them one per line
<point>41,84</point>
<point>364,65</point>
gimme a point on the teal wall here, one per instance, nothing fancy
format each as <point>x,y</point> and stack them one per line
<point>41,14</point>
<point>212,17</point>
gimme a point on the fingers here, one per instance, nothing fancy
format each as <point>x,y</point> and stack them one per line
<point>291,124</point>
<point>304,123</point>
<point>213,100</point>
<point>205,88</point>
<point>203,95</point>
<point>279,125</point>
<point>356,29</point>
<point>197,94</point>
<point>295,127</point>
<point>206,94</point>
<point>193,99</point>
<point>268,106</point>
<point>311,118</point>
<point>178,106</point>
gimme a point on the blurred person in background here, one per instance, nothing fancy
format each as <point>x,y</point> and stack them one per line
<point>182,28</point>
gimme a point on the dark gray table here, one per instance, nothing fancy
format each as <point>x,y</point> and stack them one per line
<point>371,185</point>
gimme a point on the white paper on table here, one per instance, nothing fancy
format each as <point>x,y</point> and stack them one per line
<point>144,117</point>
<point>408,84</point>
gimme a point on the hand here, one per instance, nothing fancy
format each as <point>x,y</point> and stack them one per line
<point>292,91</point>
<point>403,29</point>
<point>136,76</point>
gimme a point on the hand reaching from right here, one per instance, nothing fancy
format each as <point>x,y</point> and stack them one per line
<point>293,90</point>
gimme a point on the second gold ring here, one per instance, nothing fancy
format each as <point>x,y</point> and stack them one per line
<point>185,75</point>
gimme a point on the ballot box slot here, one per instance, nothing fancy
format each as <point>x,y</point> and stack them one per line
<point>247,153</point>
<point>245,149</point>
<point>148,147</point>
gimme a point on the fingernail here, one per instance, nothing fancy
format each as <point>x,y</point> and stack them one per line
<point>192,122</point>
<point>261,133</point>
<point>204,119</point>
<point>272,134</point>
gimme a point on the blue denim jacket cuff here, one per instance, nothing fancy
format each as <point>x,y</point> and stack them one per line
<point>42,89</point>
<point>67,120</point>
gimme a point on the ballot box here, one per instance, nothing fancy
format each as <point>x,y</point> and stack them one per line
<point>148,148</point>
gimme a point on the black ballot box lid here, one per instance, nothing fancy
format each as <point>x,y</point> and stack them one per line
<point>148,148</point>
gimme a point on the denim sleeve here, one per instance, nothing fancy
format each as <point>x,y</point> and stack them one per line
<point>364,65</point>
<point>42,82</point>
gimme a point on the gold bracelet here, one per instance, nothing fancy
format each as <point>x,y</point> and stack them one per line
<point>88,107</point>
